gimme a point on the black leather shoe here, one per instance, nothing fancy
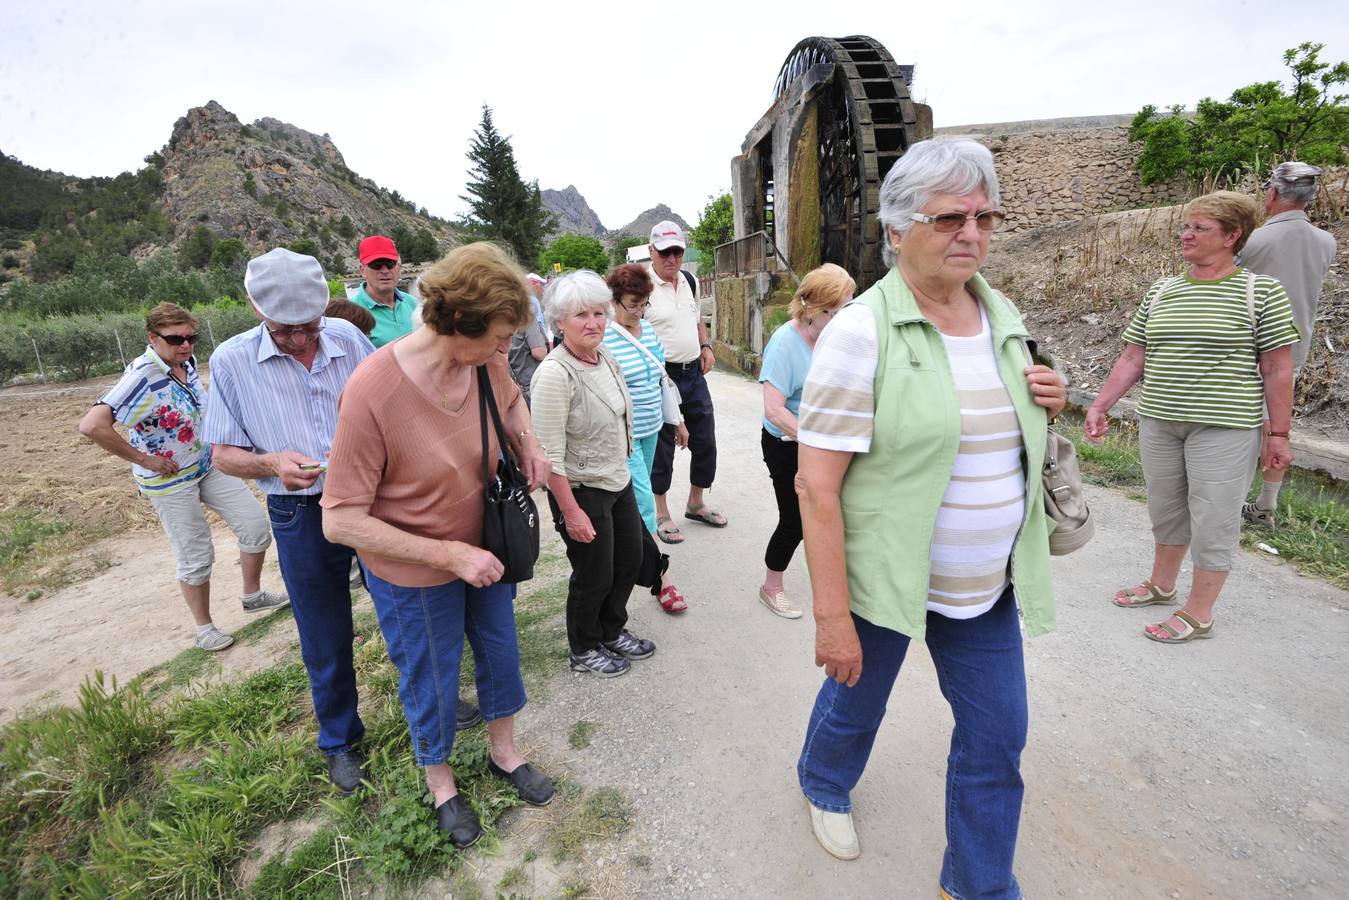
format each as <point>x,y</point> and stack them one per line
<point>534,787</point>
<point>456,818</point>
<point>467,715</point>
<point>346,770</point>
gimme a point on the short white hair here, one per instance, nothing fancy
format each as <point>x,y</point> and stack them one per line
<point>957,166</point>
<point>1295,181</point>
<point>573,292</point>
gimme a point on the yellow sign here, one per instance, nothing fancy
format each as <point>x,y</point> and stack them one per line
<point>557,267</point>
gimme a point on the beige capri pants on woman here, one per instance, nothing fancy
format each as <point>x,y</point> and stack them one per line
<point>1197,477</point>
<point>189,533</point>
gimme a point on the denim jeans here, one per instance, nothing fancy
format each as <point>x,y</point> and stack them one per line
<point>424,628</point>
<point>316,573</point>
<point>982,676</point>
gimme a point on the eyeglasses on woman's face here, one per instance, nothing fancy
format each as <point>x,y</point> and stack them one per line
<point>633,304</point>
<point>176,340</point>
<point>949,223</point>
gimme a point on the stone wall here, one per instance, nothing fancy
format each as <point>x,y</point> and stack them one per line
<point>1057,176</point>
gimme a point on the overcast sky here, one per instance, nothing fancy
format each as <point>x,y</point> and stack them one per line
<point>634,103</point>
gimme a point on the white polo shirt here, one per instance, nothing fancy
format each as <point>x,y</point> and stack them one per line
<point>674,313</point>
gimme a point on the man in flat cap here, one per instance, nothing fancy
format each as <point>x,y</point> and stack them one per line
<point>271,416</point>
<point>677,317</point>
<point>1290,248</point>
<point>381,267</point>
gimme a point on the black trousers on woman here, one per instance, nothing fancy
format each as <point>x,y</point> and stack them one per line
<point>780,457</point>
<point>604,570</point>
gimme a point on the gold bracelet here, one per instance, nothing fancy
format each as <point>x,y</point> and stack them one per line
<point>522,434</point>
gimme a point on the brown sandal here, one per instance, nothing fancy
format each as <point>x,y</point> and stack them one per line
<point>1125,597</point>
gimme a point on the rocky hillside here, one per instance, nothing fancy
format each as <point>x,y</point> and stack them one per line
<point>574,215</point>
<point>642,225</point>
<point>271,183</point>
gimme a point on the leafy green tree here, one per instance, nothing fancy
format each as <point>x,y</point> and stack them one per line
<point>196,249</point>
<point>502,206</point>
<point>1260,124</point>
<point>715,226</point>
<point>228,253</point>
<point>402,239</point>
<point>305,246</point>
<point>575,251</point>
<point>346,227</point>
<point>421,248</point>
<point>619,254</point>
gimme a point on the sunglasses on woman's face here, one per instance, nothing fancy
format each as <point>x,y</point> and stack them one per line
<point>177,340</point>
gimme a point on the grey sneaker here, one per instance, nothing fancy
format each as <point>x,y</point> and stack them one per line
<point>599,662</point>
<point>266,601</point>
<point>630,645</point>
<point>213,639</point>
<point>1257,516</point>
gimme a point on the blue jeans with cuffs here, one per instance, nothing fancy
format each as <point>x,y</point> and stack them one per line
<point>424,628</point>
<point>982,675</point>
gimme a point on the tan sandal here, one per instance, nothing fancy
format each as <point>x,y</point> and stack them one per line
<point>1193,630</point>
<point>1125,597</point>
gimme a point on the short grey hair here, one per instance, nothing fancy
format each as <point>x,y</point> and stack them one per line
<point>941,166</point>
<point>573,292</point>
<point>1295,181</point>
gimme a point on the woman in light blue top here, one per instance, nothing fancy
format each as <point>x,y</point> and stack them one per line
<point>786,360</point>
<point>641,356</point>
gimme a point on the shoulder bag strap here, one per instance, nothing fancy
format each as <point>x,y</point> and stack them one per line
<point>636,342</point>
<point>487,404</point>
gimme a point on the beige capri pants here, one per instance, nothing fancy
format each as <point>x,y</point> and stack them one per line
<point>1197,477</point>
<point>189,534</point>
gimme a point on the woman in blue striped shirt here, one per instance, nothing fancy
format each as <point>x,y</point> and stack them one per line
<point>642,368</point>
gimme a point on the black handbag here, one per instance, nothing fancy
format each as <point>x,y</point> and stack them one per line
<point>510,520</point>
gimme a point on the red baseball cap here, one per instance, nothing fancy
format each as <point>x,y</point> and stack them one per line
<point>377,246</point>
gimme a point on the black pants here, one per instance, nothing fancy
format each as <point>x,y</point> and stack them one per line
<point>702,425</point>
<point>780,457</point>
<point>604,570</point>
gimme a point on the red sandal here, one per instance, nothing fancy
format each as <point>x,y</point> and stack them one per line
<point>671,600</point>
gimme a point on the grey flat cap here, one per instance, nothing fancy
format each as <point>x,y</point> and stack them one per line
<point>1295,171</point>
<point>287,287</point>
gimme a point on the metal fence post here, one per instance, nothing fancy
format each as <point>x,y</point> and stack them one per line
<point>42,373</point>
<point>210,332</point>
<point>120,354</point>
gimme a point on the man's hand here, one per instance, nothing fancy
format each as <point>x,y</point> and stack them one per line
<point>681,435</point>
<point>286,464</point>
<point>1277,453</point>
<point>838,650</point>
<point>708,359</point>
<point>161,465</point>
<point>1096,425</point>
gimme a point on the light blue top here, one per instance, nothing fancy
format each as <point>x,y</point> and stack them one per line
<point>786,362</point>
<point>642,376</point>
<point>263,399</point>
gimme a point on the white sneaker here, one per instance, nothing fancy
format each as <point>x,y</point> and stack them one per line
<point>214,639</point>
<point>779,604</point>
<point>835,833</point>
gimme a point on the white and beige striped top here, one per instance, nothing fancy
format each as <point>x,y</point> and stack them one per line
<point>984,503</point>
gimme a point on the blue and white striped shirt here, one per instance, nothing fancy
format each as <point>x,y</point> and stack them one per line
<point>641,374</point>
<point>263,399</point>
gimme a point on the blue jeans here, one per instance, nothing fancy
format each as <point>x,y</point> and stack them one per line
<point>424,628</point>
<point>316,573</point>
<point>639,466</point>
<point>982,676</point>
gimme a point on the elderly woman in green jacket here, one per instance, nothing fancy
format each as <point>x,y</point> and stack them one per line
<point>922,434</point>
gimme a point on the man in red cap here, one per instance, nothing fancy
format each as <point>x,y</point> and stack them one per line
<point>381,268</point>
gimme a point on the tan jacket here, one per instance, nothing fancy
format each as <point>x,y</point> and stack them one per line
<point>583,417</point>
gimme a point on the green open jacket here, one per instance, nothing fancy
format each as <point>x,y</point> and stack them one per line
<point>891,495</point>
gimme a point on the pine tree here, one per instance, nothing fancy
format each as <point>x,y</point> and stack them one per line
<point>502,206</point>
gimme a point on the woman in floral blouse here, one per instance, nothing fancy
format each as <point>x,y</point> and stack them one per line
<point>161,401</point>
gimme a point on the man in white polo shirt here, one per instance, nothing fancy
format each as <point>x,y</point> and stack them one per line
<point>675,314</point>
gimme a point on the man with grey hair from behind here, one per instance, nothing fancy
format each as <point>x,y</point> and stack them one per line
<point>1290,248</point>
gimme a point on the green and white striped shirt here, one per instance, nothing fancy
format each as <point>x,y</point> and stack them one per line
<point>1201,356</point>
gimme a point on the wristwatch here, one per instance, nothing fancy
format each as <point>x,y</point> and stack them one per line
<point>1282,434</point>
<point>706,346</point>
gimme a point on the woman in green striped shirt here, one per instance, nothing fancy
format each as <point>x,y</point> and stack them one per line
<point>1214,350</point>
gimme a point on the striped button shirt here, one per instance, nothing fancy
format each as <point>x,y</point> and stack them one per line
<point>163,418</point>
<point>984,502</point>
<point>263,399</point>
<point>1201,360</point>
<point>641,374</point>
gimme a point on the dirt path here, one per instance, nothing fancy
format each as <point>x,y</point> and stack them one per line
<point>1215,769</point>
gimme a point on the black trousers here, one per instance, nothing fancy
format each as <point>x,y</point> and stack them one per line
<point>702,425</point>
<point>780,457</point>
<point>604,570</point>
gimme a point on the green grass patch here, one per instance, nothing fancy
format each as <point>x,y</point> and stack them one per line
<point>158,788</point>
<point>601,815</point>
<point>581,733</point>
<point>21,533</point>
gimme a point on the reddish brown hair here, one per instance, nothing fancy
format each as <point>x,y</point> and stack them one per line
<point>630,278</point>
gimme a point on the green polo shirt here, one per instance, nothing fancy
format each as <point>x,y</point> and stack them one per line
<point>391,323</point>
